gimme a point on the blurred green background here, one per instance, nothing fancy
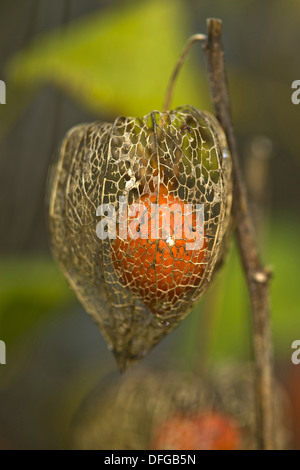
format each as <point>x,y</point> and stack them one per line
<point>69,61</point>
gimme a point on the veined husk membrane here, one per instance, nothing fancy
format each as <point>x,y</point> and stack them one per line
<point>181,156</point>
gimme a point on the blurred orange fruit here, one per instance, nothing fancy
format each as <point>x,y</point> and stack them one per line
<point>212,431</point>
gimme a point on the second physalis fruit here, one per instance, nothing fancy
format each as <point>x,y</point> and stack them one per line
<point>211,431</point>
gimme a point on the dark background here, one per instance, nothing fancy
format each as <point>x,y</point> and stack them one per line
<point>55,354</point>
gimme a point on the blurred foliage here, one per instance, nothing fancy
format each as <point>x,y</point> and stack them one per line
<point>30,287</point>
<point>226,305</point>
<point>118,61</point>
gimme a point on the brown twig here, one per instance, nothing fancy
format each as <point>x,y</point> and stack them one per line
<point>257,276</point>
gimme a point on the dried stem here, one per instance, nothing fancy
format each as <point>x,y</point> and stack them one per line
<point>187,47</point>
<point>257,276</point>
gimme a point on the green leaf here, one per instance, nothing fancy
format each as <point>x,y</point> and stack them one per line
<point>118,60</point>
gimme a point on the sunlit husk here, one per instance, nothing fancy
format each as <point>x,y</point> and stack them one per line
<point>98,163</point>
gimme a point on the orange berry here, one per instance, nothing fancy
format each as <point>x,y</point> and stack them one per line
<point>154,260</point>
<point>211,431</point>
